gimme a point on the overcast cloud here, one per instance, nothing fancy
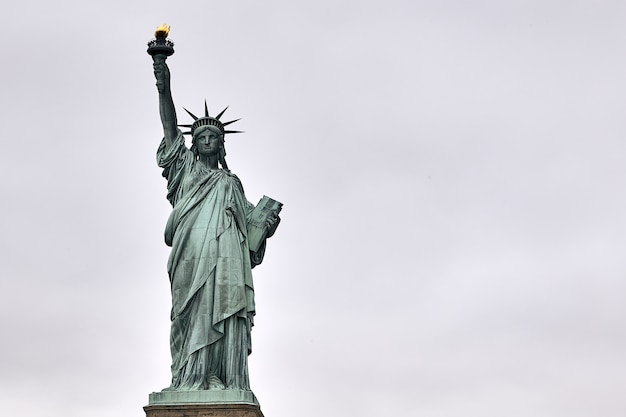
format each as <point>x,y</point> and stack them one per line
<point>453,232</point>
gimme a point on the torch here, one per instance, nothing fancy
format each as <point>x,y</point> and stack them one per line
<point>160,45</point>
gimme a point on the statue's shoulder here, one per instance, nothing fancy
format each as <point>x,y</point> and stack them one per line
<point>233,178</point>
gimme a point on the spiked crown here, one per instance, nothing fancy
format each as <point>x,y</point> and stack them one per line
<point>208,121</point>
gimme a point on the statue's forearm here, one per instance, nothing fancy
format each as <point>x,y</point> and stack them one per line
<point>166,104</point>
<point>168,116</point>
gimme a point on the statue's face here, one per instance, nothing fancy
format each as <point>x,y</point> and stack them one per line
<point>208,142</point>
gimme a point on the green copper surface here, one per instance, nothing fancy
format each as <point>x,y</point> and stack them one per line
<point>210,264</point>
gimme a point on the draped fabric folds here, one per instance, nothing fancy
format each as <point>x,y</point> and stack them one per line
<point>210,273</point>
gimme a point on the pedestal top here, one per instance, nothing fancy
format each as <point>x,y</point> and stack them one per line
<point>203,410</point>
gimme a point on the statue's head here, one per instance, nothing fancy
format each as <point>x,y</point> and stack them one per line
<point>208,125</point>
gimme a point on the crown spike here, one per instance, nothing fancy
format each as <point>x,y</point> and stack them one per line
<point>191,114</point>
<point>232,121</point>
<point>206,109</point>
<point>220,115</point>
<point>233,131</point>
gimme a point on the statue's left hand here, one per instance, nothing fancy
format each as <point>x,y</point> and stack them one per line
<point>272,223</point>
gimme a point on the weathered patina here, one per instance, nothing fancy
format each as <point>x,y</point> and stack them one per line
<point>210,265</point>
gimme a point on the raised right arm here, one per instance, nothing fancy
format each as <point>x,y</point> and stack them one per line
<point>166,104</point>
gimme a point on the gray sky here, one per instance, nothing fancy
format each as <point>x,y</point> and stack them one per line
<point>453,236</point>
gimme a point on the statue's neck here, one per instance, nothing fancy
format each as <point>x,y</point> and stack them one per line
<point>210,161</point>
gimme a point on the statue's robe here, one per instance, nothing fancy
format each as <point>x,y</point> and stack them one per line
<point>210,273</point>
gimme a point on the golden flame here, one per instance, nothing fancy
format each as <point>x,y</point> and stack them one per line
<point>162,30</point>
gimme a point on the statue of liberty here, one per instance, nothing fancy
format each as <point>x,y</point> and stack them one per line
<point>210,232</point>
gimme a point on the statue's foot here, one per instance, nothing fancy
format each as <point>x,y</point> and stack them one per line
<point>215,383</point>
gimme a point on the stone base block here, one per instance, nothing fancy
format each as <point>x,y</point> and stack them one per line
<point>203,410</point>
<point>226,396</point>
